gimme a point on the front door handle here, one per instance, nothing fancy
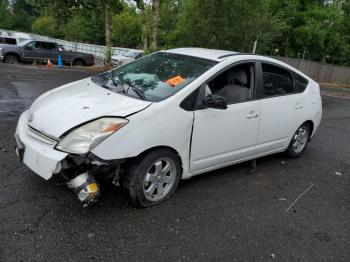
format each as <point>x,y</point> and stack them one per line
<point>252,115</point>
<point>298,106</point>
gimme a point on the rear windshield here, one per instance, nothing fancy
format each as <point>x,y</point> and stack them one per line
<point>155,77</point>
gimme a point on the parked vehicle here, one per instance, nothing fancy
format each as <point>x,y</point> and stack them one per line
<point>7,40</point>
<point>127,57</point>
<point>41,51</point>
<point>21,37</point>
<point>13,38</point>
<point>165,117</point>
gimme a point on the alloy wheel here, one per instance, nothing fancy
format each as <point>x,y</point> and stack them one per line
<point>159,179</point>
<point>300,139</point>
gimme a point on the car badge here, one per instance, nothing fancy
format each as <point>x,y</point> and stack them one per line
<point>31,118</point>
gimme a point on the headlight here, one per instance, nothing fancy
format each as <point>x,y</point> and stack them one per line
<point>84,138</point>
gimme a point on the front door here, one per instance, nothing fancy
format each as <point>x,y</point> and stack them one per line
<point>225,136</point>
<point>29,51</point>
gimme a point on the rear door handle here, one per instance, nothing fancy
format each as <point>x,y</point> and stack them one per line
<point>252,115</point>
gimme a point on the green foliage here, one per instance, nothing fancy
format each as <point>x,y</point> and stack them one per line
<point>44,25</point>
<point>6,19</point>
<point>126,29</point>
<point>289,26</point>
<point>225,24</point>
<point>81,28</point>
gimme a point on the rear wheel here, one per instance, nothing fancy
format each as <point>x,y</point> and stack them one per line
<point>78,62</point>
<point>11,59</point>
<point>152,179</point>
<point>299,142</point>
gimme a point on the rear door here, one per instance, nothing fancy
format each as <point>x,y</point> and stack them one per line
<point>48,51</point>
<point>282,108</point>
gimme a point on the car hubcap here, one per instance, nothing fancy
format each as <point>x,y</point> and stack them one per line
<point>11,60</point>
<point>159,179</point>
<point>300,139</point>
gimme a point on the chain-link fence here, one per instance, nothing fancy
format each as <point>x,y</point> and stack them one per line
<point>320,72</point>
<point>97,50</point>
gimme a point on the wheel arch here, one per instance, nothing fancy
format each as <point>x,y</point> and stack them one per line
<point>78,59</point>
<point>12,53</point>
<point>151,149</point>
<point>311,125</point>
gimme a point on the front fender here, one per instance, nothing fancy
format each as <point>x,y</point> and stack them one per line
<point>156,126</point>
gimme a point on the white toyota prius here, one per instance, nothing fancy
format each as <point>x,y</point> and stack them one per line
<point>168,116</point>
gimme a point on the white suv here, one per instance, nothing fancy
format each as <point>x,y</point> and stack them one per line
<point>165,117</point>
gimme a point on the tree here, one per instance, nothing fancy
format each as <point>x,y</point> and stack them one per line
<point>126,29</point>
<point>23,15</point>
<point>224,24</point>
<point>45,25</point>
<point>6,19</point>
<point>321,32</point>
<point>154,45</point>
<point>141,5</point>
<point>168,16</point>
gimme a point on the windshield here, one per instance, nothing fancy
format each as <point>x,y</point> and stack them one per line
<point>154,77</point>
<point>131,54</point>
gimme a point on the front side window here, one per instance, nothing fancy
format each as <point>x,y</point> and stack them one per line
<point>235,84</point>
<point>31,45</point>
<point>277,81</point>
<point>37,45</point>
<point>154,77</point>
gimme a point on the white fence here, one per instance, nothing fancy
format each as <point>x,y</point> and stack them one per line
<point>97,50</point>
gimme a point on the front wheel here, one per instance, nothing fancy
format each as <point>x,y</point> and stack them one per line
<point>11,59</point>
<point>299,142</point>
<point>152,179</point>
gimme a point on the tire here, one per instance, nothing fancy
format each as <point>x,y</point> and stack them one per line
<point>299,141</point>
<point>11,59</point>
<point>78,62</point>
<point>152,178</point>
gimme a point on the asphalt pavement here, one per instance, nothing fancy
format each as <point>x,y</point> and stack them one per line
<point>223,215</point>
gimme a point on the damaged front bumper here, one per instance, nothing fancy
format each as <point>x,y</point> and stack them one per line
<point>37,152</point>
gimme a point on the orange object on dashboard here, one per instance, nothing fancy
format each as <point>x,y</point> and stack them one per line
<point>175,80</point>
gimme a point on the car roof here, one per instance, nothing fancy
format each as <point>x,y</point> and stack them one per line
<point>43,41</point>
<point>5,36</point>
<point>211,54</point>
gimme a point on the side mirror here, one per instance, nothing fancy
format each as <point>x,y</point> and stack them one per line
<point>29,47</point>
<point>215,101</point>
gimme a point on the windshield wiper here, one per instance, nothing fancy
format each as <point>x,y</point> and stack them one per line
<point>139,92</point>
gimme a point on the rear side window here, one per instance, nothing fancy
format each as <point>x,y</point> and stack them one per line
<point>10,41</point>
<point>277,81</point>
<point>300,83</point>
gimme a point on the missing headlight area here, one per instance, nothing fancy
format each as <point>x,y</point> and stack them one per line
<point>83,173</point>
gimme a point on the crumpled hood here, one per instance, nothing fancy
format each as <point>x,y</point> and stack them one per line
<point>65,107</point>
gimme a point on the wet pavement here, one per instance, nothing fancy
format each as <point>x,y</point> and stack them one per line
<point>223,215</point>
